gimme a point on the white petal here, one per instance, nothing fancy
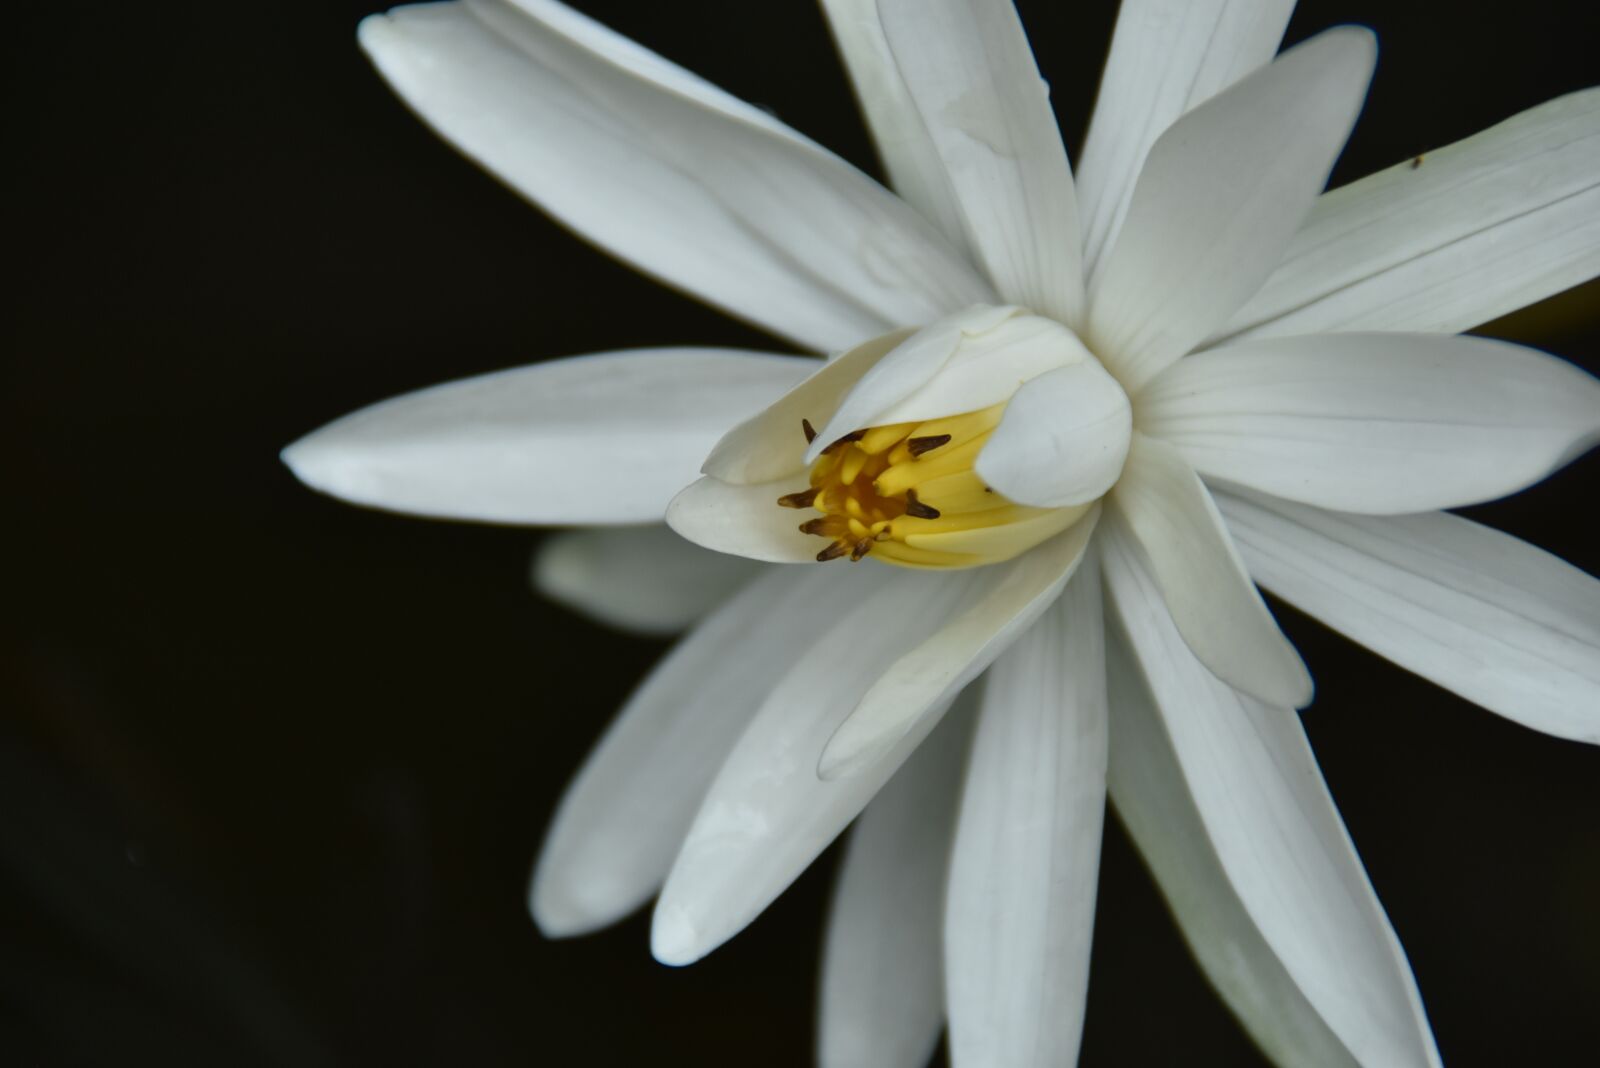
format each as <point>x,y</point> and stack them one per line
<point>1220,195</point>
<point>771,444</point>
<point>1020,909</point>
<point>1166,57</point>
<point>958,647</point>
<point>1378,423</point>
<point>662,170</point>
<point>1224,799</point>
<point>743,520</point>
<point>973,80</point>
<point>607,438</point>
<point>1494,619</point>
<point>1161,505</point>
<point>642,579</point>
<point>1063,438</point>
<point>968,360</point>
<point>882,996</point>
<point>907,151</point>
<point>1448,240</point>
<point>625,814</point>
<point>768,815</point>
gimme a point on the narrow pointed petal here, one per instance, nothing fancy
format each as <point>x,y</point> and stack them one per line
<point>904,145</point>
<point>881,1001</point>
<point>1491,618</point>
<point>768,815</point>
<point>607,438</point>
<point>968,360</point>
<point>1023,873</point>
<point>647,580</point>
<point>743,520</point>
<point>1063,439</point>
<point>956,651</point>
<point>1375,423</point>
<point>662,170</point>
<point>625,814</point>
<point>1223,797</point>
<point>1450,239</point>
<point>1161,506</point>
<point>974,82</point>
<point>1220,195</point>
<point>1166,57</point>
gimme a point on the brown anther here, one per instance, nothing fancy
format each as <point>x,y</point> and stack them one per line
<point>808,430</point>
<point>832,552</point>
<point>862,548</point>
<point>814,526</point>
<point>916,508</point>
<point>803,499</point>
<point>918,446</point>
<point>854,435</point>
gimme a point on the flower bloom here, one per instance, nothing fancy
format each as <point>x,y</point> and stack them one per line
<point>1068,424</point>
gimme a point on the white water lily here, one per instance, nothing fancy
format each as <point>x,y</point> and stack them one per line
<point>1069,420</point>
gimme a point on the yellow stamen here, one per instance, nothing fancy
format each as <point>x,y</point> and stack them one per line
<point>883,438</point>
<point>851,464</point>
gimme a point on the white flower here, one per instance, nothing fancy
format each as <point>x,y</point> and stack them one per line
<point>1180,371</point>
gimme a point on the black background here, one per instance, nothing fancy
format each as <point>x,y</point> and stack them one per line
<point>273,769</point>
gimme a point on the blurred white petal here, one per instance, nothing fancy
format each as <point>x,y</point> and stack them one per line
<point>642,579</point>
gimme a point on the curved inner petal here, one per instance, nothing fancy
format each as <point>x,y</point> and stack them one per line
<point>967,360</point>
<point>1063,440</point>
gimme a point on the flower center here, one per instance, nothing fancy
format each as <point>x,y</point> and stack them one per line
<point>907,494</point>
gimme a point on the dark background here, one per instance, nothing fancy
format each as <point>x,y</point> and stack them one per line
<point>273,769</point>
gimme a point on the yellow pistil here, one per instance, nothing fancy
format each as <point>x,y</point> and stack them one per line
<point>907,494</point>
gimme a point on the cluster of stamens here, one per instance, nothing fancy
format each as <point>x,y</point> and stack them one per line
<point>907,494</point>
<point>856,516</point>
